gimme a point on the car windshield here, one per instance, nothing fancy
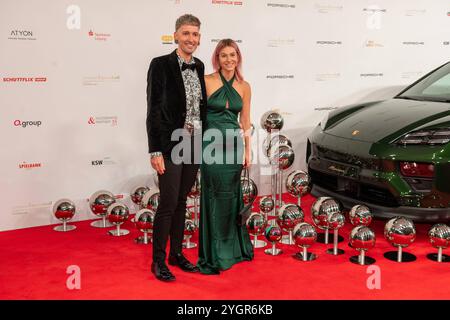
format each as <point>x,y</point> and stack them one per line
<point>434,87</point>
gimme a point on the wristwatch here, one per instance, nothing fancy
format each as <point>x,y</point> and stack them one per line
<point>155,154</point>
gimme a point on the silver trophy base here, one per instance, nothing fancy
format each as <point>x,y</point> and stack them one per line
<point>286,239</point>
<point>118,233</point>
<point>258,244</point>
<point>309,256</point>
<point>142,240</point>
<point>101,224</point>
<point>338,252</point>
<point>322,239</point>
<point>189,245</point>
<point>273,251</point>
<point>367,260</point>
<point>434,257</point>
<point>61,228</point>
<point>405,256</point>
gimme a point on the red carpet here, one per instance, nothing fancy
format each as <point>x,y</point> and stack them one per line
<point>34,262</point>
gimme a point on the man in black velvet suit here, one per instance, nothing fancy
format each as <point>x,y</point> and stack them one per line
<point>176,102</point>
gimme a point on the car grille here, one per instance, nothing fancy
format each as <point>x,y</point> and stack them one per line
<point>359,191</point>
<point>365,163</point>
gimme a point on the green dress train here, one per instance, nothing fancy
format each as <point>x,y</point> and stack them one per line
<point>222,242</point>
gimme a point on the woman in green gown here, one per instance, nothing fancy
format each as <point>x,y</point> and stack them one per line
<point>222,240</point>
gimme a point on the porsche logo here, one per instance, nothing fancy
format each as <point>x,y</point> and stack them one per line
<point>356,132</point>
<point>338,170</point>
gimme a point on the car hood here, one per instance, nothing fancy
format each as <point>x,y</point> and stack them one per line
<point>387,120</point>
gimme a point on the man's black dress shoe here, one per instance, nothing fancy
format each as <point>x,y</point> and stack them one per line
<point>183,263</point>
<point>162,272</point>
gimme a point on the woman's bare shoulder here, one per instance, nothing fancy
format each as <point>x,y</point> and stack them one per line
<point>246,85</point>
<point>211,76</point>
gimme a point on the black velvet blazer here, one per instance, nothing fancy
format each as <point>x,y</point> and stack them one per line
<point>166,101</point>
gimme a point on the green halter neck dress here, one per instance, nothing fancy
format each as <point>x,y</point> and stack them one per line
<point>222,242</point>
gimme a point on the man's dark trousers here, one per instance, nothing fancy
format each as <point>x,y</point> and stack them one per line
<point>174,186</point>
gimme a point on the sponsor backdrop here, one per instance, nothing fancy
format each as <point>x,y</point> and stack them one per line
<point>73,80</point>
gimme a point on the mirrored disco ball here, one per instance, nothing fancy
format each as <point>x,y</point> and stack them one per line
<point>362,238</point>
<point>266,204</point>
<point>137,194</point>
<point>275,142</point>
<point>336,220</point>
<point>144,220</point>
<point>282,156</point>
<point>249,190</point>
<point>189,227</point>
<point>439,235</point>
<point>272,120</point>
<point>188,214</point>
<point>64,209</point>
<point>360,215</point>
<point>400,231</point>
<point>273,233</point>
<point>100,201</point>
<point>298,183</point>
<point>305,235</point>
<point>289,216</point>
<point>151,200</point>
<point>255,223</point>
<point>118,213</point>
<point>321,208</point>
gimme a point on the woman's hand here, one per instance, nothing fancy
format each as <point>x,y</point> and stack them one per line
<point>247,159</point>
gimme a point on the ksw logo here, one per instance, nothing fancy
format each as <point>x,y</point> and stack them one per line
<point>106,161</point>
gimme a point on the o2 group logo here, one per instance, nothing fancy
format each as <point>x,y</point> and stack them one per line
<point>27,124</point>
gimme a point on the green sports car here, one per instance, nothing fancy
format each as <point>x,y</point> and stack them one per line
<point>392,155</point>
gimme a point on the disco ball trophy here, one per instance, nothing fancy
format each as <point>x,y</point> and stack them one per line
<point>272,122</point>
<point>362,238</point>
<point>255,225</point>
<point>195,195</point>
<point>400,232</point>
<point>136,196</point>
<point>336,220</point>
<point>288,217</point>
<point>64,210</point>
<point>249,188</point>
<point>144,220</point>
<point>273,234</point>
<point>266,205</point>
<point>321,210</point>
<point>150,200</point>
<point>360,215</point>
<point>439,238</point>
<point>189,229</point>
<point>117,214</point>
<point>298,184</point>
<point>99,203</point>
<point>305,236</point>
<point>281,156</point>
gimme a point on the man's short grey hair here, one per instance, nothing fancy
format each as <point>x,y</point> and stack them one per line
<point>188,19</point>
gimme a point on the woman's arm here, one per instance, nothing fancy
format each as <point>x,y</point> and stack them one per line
<point>245,122</point>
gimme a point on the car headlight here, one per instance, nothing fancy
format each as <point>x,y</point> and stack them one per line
<point>425,137</point>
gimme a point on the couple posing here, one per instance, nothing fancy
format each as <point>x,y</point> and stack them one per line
<point>180,96</point>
